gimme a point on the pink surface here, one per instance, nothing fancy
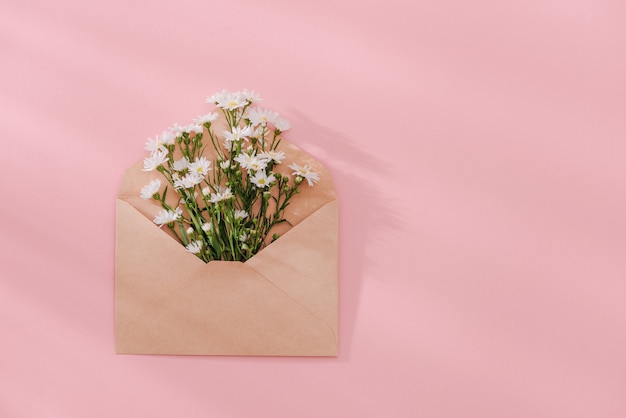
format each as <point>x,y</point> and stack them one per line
<point>478,150</point>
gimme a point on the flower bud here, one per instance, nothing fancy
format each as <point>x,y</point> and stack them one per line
<point>298,179</point>
<point>275,237</point>
<point>189,231</point>
<point>266,195</point>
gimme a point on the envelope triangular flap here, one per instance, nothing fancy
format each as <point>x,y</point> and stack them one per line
<point>300,207</point>
<point>303,263</point>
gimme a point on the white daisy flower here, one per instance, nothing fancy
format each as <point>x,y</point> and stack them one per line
<point>277,156</point>
<point>259,133</point>
<point>305,172</point>
<point>208,118</point>
<point>206,191</point>
<point>206,227</point>
<point>180,165</point>
<point>230,101</point>
<point>241,214</point>
<point>237,134</point>
<point>251,162</point>
<point>167,137</point>
<point>150,189</point>
<point>217,97</point>
<point>189,181</point>
<point>193,127</point>
<point>243,237</point>
<point>262,180</point>
<point>251,96</point>
<point>225,164</point>
<point>189,231</point>
<point>177,130</point>
<point>259,116</point>
<point>153,161</point>
<point>282,124</point>
<point>155,144</point>
<point>194,246</point>
<point>167,216</point>
<point>201,167</point>
<point>221,194</point>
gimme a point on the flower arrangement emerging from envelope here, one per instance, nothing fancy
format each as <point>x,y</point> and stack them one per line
<point>256,273</point>
<point>227,206</point>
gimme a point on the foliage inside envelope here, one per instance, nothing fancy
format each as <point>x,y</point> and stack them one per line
<point>226,208</point>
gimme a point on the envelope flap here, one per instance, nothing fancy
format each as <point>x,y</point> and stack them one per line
<point>304,263</point>
<point>301,205</point>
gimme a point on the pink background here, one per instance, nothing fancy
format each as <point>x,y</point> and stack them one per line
<point>478,149</point>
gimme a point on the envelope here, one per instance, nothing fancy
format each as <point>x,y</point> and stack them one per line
<point>281,302</point>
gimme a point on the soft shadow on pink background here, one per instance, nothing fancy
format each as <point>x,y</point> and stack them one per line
<point>478,150</point>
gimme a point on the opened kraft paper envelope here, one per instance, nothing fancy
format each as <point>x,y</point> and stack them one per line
<point>281,302</point>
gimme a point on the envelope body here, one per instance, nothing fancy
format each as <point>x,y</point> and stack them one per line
<point>281,302</point>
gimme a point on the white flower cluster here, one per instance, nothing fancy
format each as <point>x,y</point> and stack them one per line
<point>222,210</point>
<point>233,100</point>
<point>305,172</point>
<point>167,216</point>
<point>195,172</point>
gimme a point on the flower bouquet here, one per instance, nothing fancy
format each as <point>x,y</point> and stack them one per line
<point>226,241</point>
<point>228,206</point>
